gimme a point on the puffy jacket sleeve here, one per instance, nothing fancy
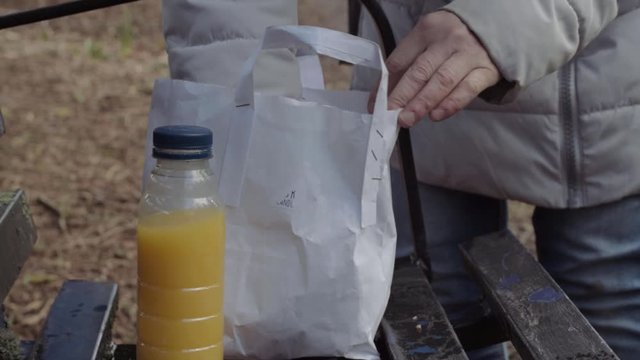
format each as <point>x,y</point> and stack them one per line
<point>209,40</point>
<point>528,39</point>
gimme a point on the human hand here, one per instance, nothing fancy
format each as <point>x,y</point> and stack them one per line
<point>438,69</point>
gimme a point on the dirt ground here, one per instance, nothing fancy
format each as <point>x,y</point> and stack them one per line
<point>75,94</point>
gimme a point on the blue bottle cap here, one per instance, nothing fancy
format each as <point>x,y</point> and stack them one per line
<point>182,142</point>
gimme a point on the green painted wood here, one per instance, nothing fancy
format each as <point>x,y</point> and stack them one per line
<point>17,236</point>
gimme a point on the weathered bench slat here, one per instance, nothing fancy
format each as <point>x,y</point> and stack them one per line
<point>79,324</point>
<point>415,325</point>
<point>542,322</point>
<point>17,236</point>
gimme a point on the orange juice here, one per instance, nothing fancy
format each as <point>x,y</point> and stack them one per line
<point>180,285</point>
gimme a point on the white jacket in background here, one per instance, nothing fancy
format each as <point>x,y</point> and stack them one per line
<point>209,40</point>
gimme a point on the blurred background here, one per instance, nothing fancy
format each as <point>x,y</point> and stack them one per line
<point>75,93</point>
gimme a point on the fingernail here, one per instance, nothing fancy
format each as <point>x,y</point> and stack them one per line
<point>407,118</point>
<point>437,114</point>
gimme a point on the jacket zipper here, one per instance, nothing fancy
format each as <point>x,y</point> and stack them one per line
<point>570,131</point>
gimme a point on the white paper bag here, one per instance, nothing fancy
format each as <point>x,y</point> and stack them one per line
<point>310,229</point>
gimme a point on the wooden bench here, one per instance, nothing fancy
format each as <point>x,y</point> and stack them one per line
<point>531,310</point>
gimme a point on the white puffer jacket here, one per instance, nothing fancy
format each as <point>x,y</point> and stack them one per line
<point>570,138</point>
<point>209,40</point>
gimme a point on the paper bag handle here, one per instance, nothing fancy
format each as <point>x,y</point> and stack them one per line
<point>309,40</point>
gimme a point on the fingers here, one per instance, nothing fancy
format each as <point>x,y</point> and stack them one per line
<point>471,86</point>
<point>404,55</point>
<point>440,84</point>
<point>438,69</point>
<point>418,74</point>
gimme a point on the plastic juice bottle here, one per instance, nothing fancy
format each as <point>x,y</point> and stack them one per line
<point>181,234</point>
